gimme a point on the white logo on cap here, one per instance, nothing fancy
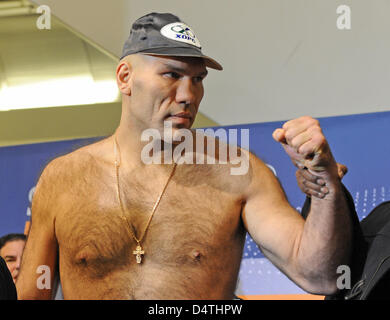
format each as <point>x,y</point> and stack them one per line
<point>179,31</point>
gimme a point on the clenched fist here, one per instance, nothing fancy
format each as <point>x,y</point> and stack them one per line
<point>304,142</point>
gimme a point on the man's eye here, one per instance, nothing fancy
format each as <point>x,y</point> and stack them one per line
<point>172,75</point>
<point>198,79</point>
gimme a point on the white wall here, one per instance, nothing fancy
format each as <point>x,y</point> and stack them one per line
<point>282,58</point>
<point>102,21</point>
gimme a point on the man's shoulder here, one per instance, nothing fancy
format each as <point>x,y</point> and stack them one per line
<point>216,147</point>
<point>215,144</point>
<point>73,163</point>
<point>67,177</point>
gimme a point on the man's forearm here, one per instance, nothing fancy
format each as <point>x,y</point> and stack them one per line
<point>326,241</point>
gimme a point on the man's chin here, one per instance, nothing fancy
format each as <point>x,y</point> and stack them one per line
<point>178,122</point>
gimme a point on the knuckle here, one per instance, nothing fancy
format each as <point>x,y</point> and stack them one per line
<point>318,140</point>
<point>321,139</point>
<point>289,135</point>
<point>312,120</point>
<point>309,119</point>
<point>315,130</point>
<point>315,122</point>
<point>294,142</point>
<point>304,149</point>
<point>286,125</point>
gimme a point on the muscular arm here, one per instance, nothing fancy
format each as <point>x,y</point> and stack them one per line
<point>41,246</point>
<point>310,251</point>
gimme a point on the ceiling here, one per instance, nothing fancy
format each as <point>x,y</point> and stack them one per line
<point>55,84</point>
<point>282,59</point>
<point>50,67</point>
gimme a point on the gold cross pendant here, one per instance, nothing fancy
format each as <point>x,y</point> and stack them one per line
<point>137,252</point>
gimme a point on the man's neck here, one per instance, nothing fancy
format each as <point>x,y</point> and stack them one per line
<point>133,152</point>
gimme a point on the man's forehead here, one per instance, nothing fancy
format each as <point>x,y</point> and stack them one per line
<point>13,244</point>
<point>177,62</point>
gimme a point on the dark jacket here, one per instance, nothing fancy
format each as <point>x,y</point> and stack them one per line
<point>370,261</point>
<point>7,286</point>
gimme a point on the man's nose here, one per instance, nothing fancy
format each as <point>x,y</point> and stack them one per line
<point>186,92</point>
<point>18,263</point>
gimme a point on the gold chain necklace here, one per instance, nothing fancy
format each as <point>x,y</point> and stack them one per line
<point>138,251</point>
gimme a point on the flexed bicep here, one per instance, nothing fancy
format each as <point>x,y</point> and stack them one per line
<point>270,220</point>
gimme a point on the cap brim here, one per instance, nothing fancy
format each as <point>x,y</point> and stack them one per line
<point>175,52</point>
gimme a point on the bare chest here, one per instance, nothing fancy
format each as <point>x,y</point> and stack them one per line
<point>194,224</point>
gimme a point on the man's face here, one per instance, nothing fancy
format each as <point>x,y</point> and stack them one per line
<point>12,254</point>
<point>166,89</point>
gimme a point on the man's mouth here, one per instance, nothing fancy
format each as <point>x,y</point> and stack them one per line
<point>181,117</point>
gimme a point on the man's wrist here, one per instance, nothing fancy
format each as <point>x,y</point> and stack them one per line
<point>329,181</point>
<point>328,173</point>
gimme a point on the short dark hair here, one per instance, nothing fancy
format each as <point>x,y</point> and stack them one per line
<point>11,237</point>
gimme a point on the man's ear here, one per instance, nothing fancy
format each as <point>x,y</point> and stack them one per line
<point>123,76</point>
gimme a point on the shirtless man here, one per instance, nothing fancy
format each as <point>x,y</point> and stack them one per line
<point>191,246</point>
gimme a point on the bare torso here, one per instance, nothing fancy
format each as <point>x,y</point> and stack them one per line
<point>193,246</point>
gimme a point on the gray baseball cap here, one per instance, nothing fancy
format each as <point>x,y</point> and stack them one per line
<point>166,35</point>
